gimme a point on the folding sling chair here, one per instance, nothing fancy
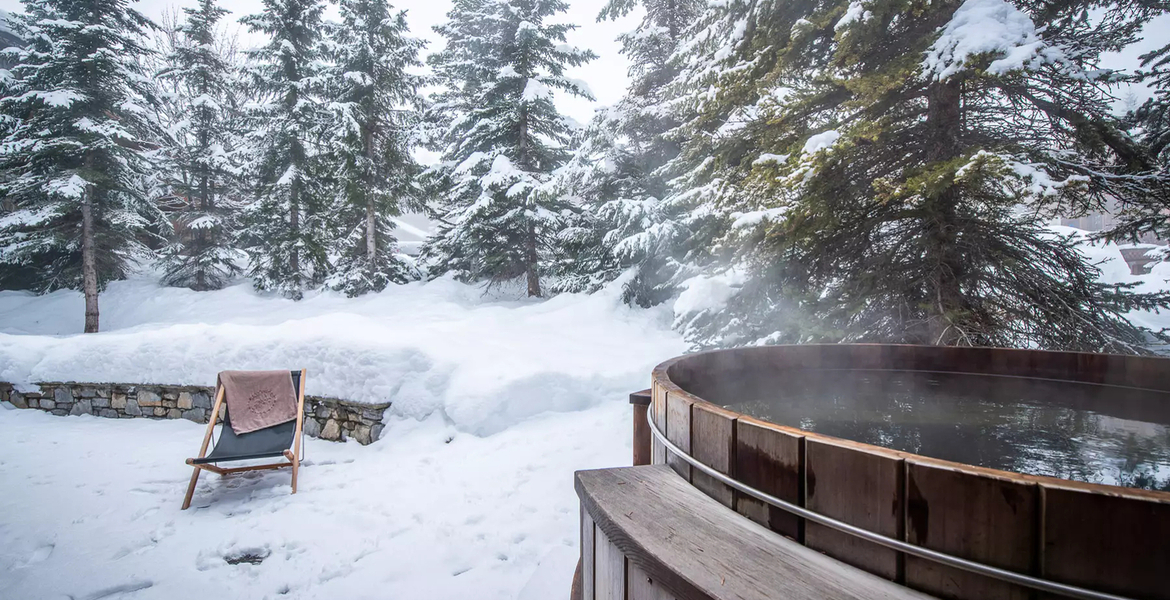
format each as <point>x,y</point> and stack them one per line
<point>263,443</point>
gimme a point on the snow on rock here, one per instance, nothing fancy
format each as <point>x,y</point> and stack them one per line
<point>438,347</point>
<point>988,26</point>
<point>90,509</point>
<point>821,141</point>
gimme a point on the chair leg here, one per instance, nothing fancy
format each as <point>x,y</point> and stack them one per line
<point>191,489</point>
<point>296,466</point>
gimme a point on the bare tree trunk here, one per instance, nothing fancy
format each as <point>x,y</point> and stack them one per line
<point>371,232</point>
<point>530,262</point>
<point>530,257</point>
<point>944,126</point>
<point>294,221</point>
<point>89,281</point>
<point>371,216</point>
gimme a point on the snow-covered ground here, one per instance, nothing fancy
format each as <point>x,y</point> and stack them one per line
<point>89,509</point>
<point>468,494</point>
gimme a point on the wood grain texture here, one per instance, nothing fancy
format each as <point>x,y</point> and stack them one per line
<point>859,485</point>
<point>588,553</point>
<point>770,458</point>
<point>658,409</point>
<point>696,549</point>
<point>1107,542</point>
<point>713,444</point>
<point>640,586</point>
<point>981,517</point>
<point>678,431</point>
<point>641,435</point>
<point>610,578</point>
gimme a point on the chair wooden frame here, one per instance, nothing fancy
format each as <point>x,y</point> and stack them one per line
<point>293,456</point>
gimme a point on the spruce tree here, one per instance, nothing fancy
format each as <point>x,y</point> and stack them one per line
<point>376,107</point>
<point>202,166</point>
<point>616,168</point>
<point>896,191</point>
<point>76,113</point>
<point>288,224</point>
<point>502,139</point>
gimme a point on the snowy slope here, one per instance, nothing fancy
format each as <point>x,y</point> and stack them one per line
<point>438,346</point>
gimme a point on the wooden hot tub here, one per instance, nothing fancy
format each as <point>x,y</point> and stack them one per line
<point>1105,538</point>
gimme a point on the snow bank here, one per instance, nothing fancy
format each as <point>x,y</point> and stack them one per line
<point>427,347</point>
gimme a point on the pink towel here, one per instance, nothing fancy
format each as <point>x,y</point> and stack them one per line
<point>258,399</point>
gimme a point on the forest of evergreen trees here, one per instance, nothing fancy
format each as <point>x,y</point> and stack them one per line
<point>810,170</point>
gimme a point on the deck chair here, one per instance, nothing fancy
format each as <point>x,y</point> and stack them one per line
<point>269,442</point>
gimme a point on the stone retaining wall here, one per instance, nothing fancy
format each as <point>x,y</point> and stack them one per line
<point>325,418</point>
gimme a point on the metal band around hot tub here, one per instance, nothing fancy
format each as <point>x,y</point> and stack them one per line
<point>926,553</point>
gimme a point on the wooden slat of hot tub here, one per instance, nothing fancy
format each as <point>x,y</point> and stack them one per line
<point>694,548</point>
<point>770,458</point>
<point>979,516</point>
<point>1106,542</point>
<point>860,485</point>
<point>713,444</point>
<point>678,431</point>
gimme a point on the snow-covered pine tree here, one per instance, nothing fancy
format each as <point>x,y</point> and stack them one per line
<point>1148,212</point>
<point>77,110</point>
<point>615,170</point>
<point>895,196</point>
<point>503,138</point>
<point>288,226</point>
<point>376,105</point>
<point>201,164</point>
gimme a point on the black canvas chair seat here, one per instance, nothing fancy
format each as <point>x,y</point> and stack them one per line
<point>262,443</point>
<point>271,442</point>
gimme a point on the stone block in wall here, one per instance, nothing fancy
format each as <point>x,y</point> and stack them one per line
<point>85,392</point>
<point>169,403</point>
<point>132,407</point>
<point>372,414</point>
<point>201,400</point>
<point>82,407</point>
<point>48,404</point>
<point>17,399</point>
<point>311,427</point>
<point>170,395</point>
<point>118,401</point>
<point>99,402</point>
<point>108,413</point>
<point>322,411</point>
<point>331,431</point>
<point>174,413</point>
<point>148,398</point>
<point>184,402</point>
<point>160,411</point>
<point>376,431</point>
<point>63,395</point>
<point>361,433</point>
<point>195,414</point>
<point>60,412</point>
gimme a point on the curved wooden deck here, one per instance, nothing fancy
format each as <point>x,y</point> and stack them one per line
<point>647,534</point>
